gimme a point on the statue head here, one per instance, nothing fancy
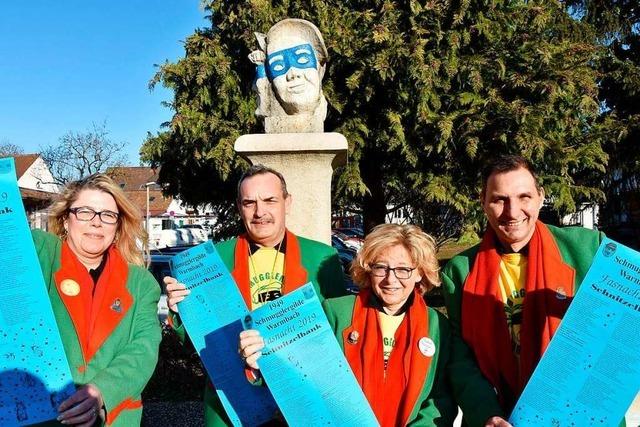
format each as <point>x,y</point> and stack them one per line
<point>295,64</point>
<point>290,65</point>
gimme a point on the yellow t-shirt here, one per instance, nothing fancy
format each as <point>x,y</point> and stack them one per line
<point>513,274</point>
<point>388,326</point>
<point>266,275</point>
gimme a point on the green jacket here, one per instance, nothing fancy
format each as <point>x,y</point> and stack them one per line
<point>435,406</point>
<point>124,363</point>
<point>323,269</point>
<point>473,392</point>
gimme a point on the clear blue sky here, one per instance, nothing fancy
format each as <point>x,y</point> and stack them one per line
<point>67,64</point>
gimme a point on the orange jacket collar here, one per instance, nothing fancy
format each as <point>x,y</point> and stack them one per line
<point>294,273</point>
<point>549,289</point>
<point>94,316</point>
<point>392,399</point>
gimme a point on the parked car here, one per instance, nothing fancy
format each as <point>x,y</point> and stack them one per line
<point>159,267</point>
<point>354,243</point>
<point>351,232</point>
<point>346,255</point>
<point>208,228</point>
<point>167,239</point>
<point>188,235</point>
<point>199,233</point>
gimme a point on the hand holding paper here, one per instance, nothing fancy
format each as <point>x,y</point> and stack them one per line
<point>250,347</point>
<point>176,292</point>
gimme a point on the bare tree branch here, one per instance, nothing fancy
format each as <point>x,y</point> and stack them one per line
<point>79,154</point>
<point>8,149</point>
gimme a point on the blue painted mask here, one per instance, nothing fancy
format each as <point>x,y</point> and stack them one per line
<point>260,71</point>
<point>302,56</point>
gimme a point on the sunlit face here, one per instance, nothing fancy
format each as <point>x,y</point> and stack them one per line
<point>295,73</point>
<point>391,291</point>
<point>90,239</point>
<point>263,209</point>
<point>512,204</point>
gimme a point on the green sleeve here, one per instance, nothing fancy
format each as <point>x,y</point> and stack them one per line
<point>128,373</point>
<point>47,247</point>
<point>330,275</point>
<point>339,312</point>
<point>439,408</point>
<point>472,391</point>
<point>177,326</point>
<point>327,306</point>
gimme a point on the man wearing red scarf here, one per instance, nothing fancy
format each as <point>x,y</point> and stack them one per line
<point>506,296</point>
<point>267,261</point>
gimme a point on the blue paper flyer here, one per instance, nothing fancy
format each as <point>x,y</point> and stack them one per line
<point>590,372</point>
<point>212,316</point>
<point>34,372</point>
<point>303,365</point>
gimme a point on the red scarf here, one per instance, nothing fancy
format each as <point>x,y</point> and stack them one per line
<point>94,314</point>
<point>294,273</point>
<point>392,399</point>
<point>549,289</point>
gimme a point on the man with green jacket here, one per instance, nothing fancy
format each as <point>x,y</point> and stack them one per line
<point>507,295</point>
<point>266,262</point>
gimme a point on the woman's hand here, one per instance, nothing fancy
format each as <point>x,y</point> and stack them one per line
<point>176,292</point>
<point>83,408</point>
<point>250,347</point>
<point>497,422</point>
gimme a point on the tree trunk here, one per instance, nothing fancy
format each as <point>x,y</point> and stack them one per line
<point>374,206</point>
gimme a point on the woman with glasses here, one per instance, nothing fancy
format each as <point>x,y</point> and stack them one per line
<point>104,300</point>
<point>397,347</point>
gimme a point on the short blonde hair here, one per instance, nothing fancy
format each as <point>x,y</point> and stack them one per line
<point>129,232</point>
<point>419,244</point>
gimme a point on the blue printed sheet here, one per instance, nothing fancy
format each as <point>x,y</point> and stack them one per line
<point>590,372</point>
<point>212,315</point>
<point>34,372</point>
<point>303,365</point>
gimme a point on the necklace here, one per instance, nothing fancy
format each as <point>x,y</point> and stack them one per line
<point>273,269</point>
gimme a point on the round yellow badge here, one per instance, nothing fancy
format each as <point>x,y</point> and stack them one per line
<point>70,287</point>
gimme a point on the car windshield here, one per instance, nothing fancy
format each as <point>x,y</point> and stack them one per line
<point>351,232</point>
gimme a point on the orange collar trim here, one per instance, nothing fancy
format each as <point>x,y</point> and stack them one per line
<point>94,314</point>
<point>394,396</point>
<point>549,288</point>
<point>295,274</point>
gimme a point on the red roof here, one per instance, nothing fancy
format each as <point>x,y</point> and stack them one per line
<point>158,204</point>
<point>133,177</point>
<point>23,162</point>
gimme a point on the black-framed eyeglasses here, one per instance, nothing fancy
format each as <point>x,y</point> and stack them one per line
<point>381,270</point>
<point>84,213</point>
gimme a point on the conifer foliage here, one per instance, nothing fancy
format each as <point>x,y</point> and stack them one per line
<point>424,91</point>
<point>617,24</point>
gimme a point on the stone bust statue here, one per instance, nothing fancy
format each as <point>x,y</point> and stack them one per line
<point>290,65</point>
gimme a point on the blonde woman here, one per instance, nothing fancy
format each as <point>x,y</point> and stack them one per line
<point>104,301</point>
<point>397,347</point>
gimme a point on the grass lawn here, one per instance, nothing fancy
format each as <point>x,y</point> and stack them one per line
<point>449,250</point>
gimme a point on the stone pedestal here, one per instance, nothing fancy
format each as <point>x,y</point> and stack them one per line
<point>307,161</point>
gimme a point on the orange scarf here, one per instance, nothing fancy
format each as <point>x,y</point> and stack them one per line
<point>294,273</point>
<point>549,289</point>
<point>94,314</point>
<point>392,399</point>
